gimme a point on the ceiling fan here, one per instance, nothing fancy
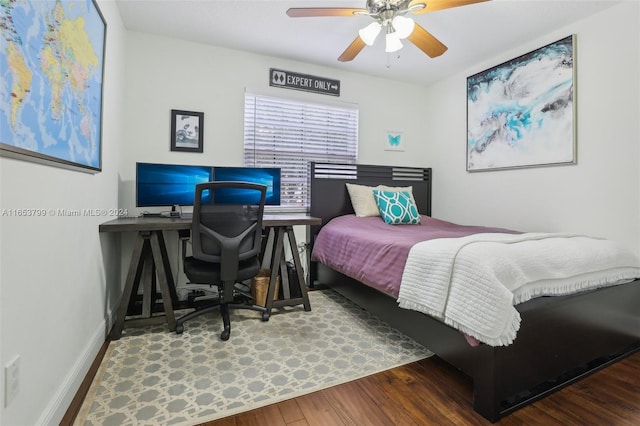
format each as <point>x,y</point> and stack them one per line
<point>388,14</point>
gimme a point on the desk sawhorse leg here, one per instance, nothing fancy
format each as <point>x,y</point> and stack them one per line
<point>278,264</point>
<point>149,256</point>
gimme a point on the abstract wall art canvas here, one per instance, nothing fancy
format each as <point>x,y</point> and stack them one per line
<point>521,113</point>
<point>52,66</point>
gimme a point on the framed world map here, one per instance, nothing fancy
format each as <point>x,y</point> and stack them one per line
<point>52,66</point>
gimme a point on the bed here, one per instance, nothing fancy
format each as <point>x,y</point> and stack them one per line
<point>560,338</point>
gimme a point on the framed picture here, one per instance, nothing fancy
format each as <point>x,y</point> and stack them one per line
<point>53,83</point>
<point>522,113</point>
<point>393,140</point>
<point>187,128</point>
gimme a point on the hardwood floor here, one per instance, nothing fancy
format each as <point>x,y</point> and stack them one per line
<point>431,392</point>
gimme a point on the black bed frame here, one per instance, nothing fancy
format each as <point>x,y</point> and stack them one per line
<point>561,339</point>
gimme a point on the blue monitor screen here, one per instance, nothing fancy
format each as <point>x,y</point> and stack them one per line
<point>169,184</point>
<point>268,176</point>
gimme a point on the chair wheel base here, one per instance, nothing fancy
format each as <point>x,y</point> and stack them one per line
<point>225,335</point>
<point>179,328</point>
<point>265,316</point>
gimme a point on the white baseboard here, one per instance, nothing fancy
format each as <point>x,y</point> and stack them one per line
<point>60,402</point>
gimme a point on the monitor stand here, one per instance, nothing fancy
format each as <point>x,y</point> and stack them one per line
<point>175,211</point>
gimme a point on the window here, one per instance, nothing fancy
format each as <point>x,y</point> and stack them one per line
<point>289,134</point>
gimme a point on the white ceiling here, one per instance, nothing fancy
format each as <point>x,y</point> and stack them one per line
<point>471,32</point>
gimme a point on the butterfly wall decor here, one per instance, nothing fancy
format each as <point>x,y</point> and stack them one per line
<point>394,141</point>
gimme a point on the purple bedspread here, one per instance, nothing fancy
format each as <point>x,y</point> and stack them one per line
<point>370,251</point>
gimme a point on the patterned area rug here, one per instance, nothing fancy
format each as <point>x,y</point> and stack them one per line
<point>152,377</point>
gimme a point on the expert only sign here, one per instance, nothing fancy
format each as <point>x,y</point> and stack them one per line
<point>308,83</point>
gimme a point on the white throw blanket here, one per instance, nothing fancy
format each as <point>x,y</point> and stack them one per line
<point>472,283</point>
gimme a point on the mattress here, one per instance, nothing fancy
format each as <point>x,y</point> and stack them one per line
<point>374,253</point>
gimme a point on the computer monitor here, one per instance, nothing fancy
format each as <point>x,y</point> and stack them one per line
<point>268,176</point>
<point>169,184</point>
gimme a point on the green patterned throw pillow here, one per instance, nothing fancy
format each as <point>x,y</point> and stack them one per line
<point>397,207</point>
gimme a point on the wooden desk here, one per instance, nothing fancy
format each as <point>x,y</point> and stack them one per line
<point>150,255</point>
<point>279,226</point>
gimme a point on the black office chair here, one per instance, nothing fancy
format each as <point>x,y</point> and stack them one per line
<point>226,242</point>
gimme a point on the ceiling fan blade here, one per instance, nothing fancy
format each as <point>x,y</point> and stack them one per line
<point>352,51</point>
<point>426,42</point>
<point>433,5</point>
<point>303,12</point>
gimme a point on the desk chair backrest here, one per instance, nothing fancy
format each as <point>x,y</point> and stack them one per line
<point>231,231</point>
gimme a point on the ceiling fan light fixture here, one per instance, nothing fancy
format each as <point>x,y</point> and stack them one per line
<point>393,42</point>
<point>389,14</point>
<point>369,33</point>
<point>404,26</point>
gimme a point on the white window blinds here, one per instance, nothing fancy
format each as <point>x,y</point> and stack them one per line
<point>289,134</point>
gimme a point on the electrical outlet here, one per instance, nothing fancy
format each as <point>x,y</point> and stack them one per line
<point>11,380</point>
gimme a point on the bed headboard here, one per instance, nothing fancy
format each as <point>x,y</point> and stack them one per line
<point>330,198</point>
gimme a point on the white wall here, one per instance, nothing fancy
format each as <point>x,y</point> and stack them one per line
<point>600,195</point>
<point>57,272</point>
<point>165,74</point>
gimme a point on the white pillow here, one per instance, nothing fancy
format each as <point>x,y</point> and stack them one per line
<point>363,202</point>
<point>364,205</point>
